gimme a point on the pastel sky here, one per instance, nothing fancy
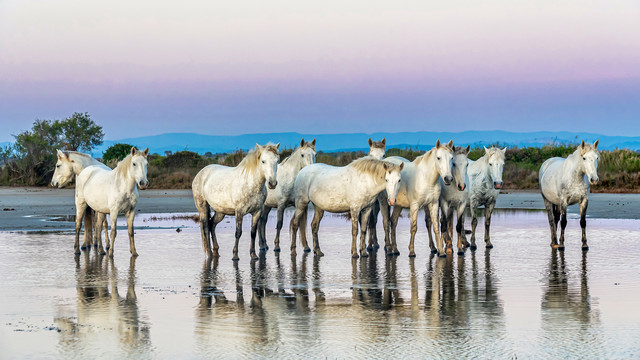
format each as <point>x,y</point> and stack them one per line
<point>233,67</point>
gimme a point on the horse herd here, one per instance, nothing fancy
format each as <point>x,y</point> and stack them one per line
<point>443,181</point>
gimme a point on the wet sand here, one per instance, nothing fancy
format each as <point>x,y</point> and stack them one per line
<point>22,209</point>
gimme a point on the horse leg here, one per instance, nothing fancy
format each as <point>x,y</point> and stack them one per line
<point>255,222</point>
<point>238,235</point>
<point>132,244</point>
<point>88,229</point>
<point>276,242</point>
<point>413,213</point>
<point>583,222</point>
<point>315,225</point>
<point>384,210</point>
<point>474,223</point>
<point>303,229</point>
<point>365,216</point>
<point>371,226</point>
<point>204,212</point>
<point>97,223</point>
<point>563,225</point>
<point>294,225</point>
<point>552,222</point>
<point>556,216</point>
<point>460,225</point>
<point>262,230</point>
<point>81,206</point>
<point>105,228</point>
<point>427,221</point>
<point>433,212</point>
<point>217,217</point>
<point>488,209</point>
<point>354,232</point>
<point>444,226</point>
<point>392,249</point>
<point>113,217</point>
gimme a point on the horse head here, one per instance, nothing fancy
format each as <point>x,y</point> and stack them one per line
<point>496,165</point>
<point>269,163</point>
<point>307,152</point>
<point>590,158</point>
<point>444,160</point>
<point>377,148</point>
<point>392,178</point>
<point>138,167</point>
<point>64,170</point>
<point>460,162</point>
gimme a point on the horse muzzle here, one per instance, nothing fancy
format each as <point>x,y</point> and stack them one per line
<point>447,180</point>
<point>272,185</point>
<point>462,186</point>
<point>497,185</point>
<point>594,181</point>
<point>143,184</point>
<point>391,202</point>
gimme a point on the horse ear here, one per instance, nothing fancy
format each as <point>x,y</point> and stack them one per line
<point>485,149</point>
<point>313,142</point>
<point>133,150</point>
<point>504,151</point>
<point>302,142</point>
<point>277,145</point>
<point>582,144</point>
<point>258,146</point>
<point>450,144</point>
<point>401,166</point>
<point>370,142</point>
<point>468,149</point>
<point>384,141</point>
<point>146,152</point>
<point>61,155</point>
<point>386,165</point>
<point>595,144</point>
<point>438,144</point>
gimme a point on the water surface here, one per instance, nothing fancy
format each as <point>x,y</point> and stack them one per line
<point>518,300</point>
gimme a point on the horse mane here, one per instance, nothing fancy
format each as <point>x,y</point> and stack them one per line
<point>251,161</point>
<point>307,144</point>
<point>69,152</point>
<point>459,150</point>
<point>587,147</point>
<point>494,150</point>
<point>372,166</point>
<point>431,152</point>
<point>122,169</point>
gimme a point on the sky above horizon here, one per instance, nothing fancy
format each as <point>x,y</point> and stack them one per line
<point>235,67</point>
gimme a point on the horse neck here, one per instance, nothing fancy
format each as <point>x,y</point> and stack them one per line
<point>252,178</point>
<point>573,167</point>
<point>483,165</point>
<point>81,162</point>
<point>293,165</point>
<point>426,168</point>
<point>123,176</point>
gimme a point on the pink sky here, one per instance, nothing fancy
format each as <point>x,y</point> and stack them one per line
<point>245,66</point>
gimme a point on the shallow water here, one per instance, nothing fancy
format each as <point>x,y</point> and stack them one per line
<point>518,300</point>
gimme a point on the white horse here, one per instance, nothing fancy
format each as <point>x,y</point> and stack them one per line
<point>485,182</point>
<point>454,196</point>
<point>282,196</point>
<point>420,188</point>
<point>377,150</point>
<point>235,191</point>
<point>565,182</point>
<point>112,192</point>
<point>352,188</point>
<point>69,165</point>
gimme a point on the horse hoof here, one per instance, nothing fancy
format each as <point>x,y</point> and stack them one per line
<point>376,247</point>
<point>307,250</point>
<point>276,250</point>
<point>318,253</point>
<point>460,253</point>
<point>434,251</point>
<point>389,254</point>
<point>354,256</point>
<point>560,247</point>
<point>489,246</point>
<point>442,255</point>
<point>369,248</point>
<point>585,248</point>
<point>412,254</point>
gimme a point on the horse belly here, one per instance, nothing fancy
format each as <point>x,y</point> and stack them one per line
<point>328,200</point>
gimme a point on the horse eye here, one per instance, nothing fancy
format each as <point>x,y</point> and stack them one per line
<point>302,155</point>
<point>490,164</point>
<point>57,166</point>
<point>454,164</point>
<point>134,164</point>
<point>584,158</point>
<point>263,161</point>
<point>438,158</point>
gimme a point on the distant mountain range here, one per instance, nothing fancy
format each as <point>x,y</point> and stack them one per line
<point>358,141</point>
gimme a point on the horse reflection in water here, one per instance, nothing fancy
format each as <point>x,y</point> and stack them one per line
<point>366,290</point>
<point>100,309</point>
<point>566,303</point>
<point>462,306</point>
